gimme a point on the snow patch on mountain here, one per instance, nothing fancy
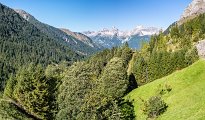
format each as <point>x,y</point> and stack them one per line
<point>115,37</point>
<point>139,30</point>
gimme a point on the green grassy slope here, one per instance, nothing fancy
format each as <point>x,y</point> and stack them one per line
<point>186,101</point>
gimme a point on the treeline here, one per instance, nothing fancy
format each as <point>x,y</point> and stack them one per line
<point>169,51</point>
<point>91,89</point>
<point>160,64</point>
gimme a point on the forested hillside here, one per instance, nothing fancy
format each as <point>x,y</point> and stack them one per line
<point>43,79</point>
<point>82,46</point>
<point>91,89</point>
<point>170,97</point>
<point>168,52</point>
<point>22,43</point>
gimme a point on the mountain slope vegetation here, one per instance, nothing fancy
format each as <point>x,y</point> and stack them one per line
<point>186,98</point>
<point>50,85</point>
<point>83,44</point>
<point>72,91</point>
<point>22,43</point>
<point>166,53</point>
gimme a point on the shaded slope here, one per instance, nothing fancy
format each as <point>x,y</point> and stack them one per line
<point>185,101</point>
<point>21,43</point>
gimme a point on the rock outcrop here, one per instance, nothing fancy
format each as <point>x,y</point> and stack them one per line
<point>196,7</point>
<point>201,48</point>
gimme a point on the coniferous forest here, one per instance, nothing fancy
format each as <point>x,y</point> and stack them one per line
<point>42,78</point>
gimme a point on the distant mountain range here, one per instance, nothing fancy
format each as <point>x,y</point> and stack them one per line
<point>90,41</point>
<point>114,37</point>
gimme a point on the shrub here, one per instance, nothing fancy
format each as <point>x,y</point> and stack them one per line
<point>154,107</point>
<point>127,110</point>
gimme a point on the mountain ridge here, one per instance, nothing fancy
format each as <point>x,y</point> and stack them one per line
<point>21,43</point>
<point>83,46</point>
<point>80,37</point>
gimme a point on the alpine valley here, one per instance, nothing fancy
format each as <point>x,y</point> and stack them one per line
<point>49,73</point>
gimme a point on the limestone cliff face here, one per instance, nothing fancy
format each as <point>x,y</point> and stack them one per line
<point>200,48</point>
<point>195,8</point>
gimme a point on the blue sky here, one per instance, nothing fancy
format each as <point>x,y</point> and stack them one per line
<point>83,15</point>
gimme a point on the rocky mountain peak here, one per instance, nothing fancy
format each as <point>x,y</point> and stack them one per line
<point>195,8</point>
<point>139,30</point>
<point>110,37</point>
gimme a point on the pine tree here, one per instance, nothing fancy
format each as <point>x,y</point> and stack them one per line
<point>32,91</point>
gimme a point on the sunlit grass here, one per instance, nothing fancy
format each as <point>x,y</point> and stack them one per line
<point>186,101</point>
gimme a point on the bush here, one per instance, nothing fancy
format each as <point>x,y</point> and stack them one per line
<point>127,110</point>
<point>154,107</point>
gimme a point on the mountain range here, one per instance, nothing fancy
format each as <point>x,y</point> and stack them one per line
<point>109,38</point>
<point>92,41</point>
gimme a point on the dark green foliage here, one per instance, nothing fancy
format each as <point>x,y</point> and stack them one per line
<point>132,83</point>
<point>116,110</point>
<point>127,110</point>
<point>125,54</point>
<point>193,29</point>
<point>152,43</point>
<point>191,56</point>
<point>114,74</point>
<point>167,31</point>
<point>22,43</point>
<point>174,32</point>
<point>154,107</point>
<point>11,112</point>
<point>33,91</point>
<point>85,90</point>
<point>169,52</point>
<point>141,71</point>
<point>165,54</point>
<point>9,89</point>
<point>76,84</point>
<point>93,89</point>
<point>62,37</point>
<point>54,74</point>
<point>76,100</point>
<point>160,64</point>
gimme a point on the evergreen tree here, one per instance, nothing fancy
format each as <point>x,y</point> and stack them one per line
<point>114,74</point>
<point>31,91</point>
